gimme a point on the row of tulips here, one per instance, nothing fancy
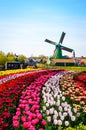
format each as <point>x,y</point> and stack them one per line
<point>81,78</point>
<point>28,111</point>
<point>12,77</point>
<point>55,108</point>
<point>9,98</point>
<point>7,72</point>
<point>75,89</point>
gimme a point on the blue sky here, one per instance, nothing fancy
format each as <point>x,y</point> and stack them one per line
<point>25,24</point>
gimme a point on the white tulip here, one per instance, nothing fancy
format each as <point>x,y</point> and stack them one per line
<point>55,121</point>
<point>49,118</point>
<point>78,114</point>
<point>73,118</point>
<point>55,112</point>
<point>70,113</point>
<point>60,114</point>
<point>58,103</point>
<point>66,123</point>
<point>51,103</point>
<point>47,112</point>
<point>75,110</point>
<point>65,114</point>
<point>62,118</point>
<point>59,122</point>
<point>44,108</point>
<point>51,111</point>
<point>47,104</point>
<point>45,100</point>
<point>55,95</point>
<point>55,117</point>
<point>65,108</point>
<point>62,104</point>
<point>60,108</point>
<point>63,98</point>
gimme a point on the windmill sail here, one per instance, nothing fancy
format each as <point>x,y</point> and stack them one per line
<point>66,49</point>
<point>62,37</point>
<point>51,42</point>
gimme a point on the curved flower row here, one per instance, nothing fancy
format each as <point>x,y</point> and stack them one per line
<point>81,78</point>
<point>9,98</point>
<point>12,77</point>
<point>55,108</point>
<point>4,79</point>
<point>8,72</point>
<point>28,111</point>
<point>74,88</point>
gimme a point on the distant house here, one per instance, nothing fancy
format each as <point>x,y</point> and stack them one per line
<point>12,65</point>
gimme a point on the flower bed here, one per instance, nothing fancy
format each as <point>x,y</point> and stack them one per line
<point>75,88</point>
<point>55,108</point>
<point>7,72</point>
<point>43,100</point>
<point>9,98</point>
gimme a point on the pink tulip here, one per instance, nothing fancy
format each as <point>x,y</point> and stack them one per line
<point>26,125</point>
<point>22,106</point>
<point>39,116</point>
<point>33,109</point>
<point>32,128</point>
<point>27,112</point>
<point>44,123</point>
<point>16,124</point>
<point>37,111</point>
<point>18,109</point>
<point>29,118</point>
<point>34,115</point>
<point>35,121</point>
<point>15,117</point>
<point>41,129</point>
<point>23,118</point>
<point>18,113</point>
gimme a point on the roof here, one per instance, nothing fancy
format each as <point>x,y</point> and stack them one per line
<point>71,60</point>
<point>83,60</point>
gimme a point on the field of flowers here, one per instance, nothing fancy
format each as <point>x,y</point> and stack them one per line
<point>43,100</point>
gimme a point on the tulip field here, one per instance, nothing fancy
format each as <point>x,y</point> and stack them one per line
<point>45,99</point>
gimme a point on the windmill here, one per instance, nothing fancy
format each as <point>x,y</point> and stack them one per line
<point>59,47</point>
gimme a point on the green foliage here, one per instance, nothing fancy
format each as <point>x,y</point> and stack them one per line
<point>69,128</point>
<point>3,58</point>
<point>79,127</point>
<point>74,68</point>
<point>10,57</point>
<point>21,58</point>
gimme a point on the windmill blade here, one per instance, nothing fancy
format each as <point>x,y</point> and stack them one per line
<point>66,49</point>
<point>51,42</point>
<point>62,37</point>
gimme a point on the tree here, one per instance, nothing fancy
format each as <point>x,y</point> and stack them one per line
<point>3,58</point>
<point>10,57</point>
<point>21,58</point>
